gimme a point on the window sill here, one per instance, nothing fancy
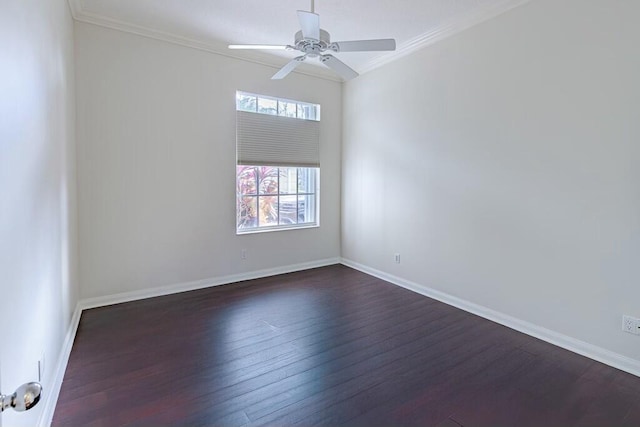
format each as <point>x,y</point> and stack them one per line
<point>276,228</point>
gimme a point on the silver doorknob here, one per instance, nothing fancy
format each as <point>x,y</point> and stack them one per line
<point>26,397</point>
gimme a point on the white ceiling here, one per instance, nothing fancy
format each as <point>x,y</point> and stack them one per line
<point>213,24</point>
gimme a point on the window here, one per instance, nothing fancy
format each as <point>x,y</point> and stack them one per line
<point>261,104</point>
<point>271,196</point>
<point>277,172</point>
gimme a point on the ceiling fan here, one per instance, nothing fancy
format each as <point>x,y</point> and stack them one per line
<point>313,42</point>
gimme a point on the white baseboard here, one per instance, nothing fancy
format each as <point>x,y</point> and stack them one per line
<point>51,396</point>
<point>591,351</point>
<point>201,284</point>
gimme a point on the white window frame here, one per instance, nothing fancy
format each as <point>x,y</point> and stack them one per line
<point>279,227</point>
<point>303,111</point>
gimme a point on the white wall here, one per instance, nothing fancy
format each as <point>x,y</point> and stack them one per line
<point>503,165</point>
<point>156,165</point>
<point>38,285</point>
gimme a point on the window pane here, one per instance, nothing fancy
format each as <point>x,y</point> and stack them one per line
<point>303,111</point>
<point>306,209</point>
<point>306,180</point>
<point>287,109</point>
<point>268,106</point>
<point>246,179</point>
<point>268,179</point>
<point>276,106</point>
<point>307,111</point>
<point>245,102</point>
<point>280,201</point>
<point>311,114</point>
<point>268,214</point>
<point>288,210</point>
<point>288,181</point>
<point>247,212</point>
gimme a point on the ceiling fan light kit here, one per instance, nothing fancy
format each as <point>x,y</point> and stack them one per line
<point>313,42</point>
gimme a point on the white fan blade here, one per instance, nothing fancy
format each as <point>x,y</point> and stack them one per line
<point>310,24</point>
<point>258,46</point>
<point>289,67</point>
<point>364,45</point>
<point>339,67</point>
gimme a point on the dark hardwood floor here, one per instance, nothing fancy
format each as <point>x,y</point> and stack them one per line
<point>329,346</point>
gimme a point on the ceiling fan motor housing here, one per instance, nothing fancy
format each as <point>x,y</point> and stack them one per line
<point>312,47</point>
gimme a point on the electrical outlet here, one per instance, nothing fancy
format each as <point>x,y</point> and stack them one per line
<point>631,325</point>
<point>243,254</point>
<point>397,258</point>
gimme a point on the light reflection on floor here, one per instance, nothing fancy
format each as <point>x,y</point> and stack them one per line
<point>285,350</point>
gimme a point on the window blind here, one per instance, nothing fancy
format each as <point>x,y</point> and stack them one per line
<point>267,140</point>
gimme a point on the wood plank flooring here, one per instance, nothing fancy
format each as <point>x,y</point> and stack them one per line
<point>330,346</point>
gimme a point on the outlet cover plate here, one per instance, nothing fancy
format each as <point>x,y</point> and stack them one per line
<point>631,325</point>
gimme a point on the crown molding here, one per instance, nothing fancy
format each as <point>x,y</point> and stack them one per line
<point>76,7</point>
<point>443,31</point>
<point>437,34</point>
<point>218,49</point>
